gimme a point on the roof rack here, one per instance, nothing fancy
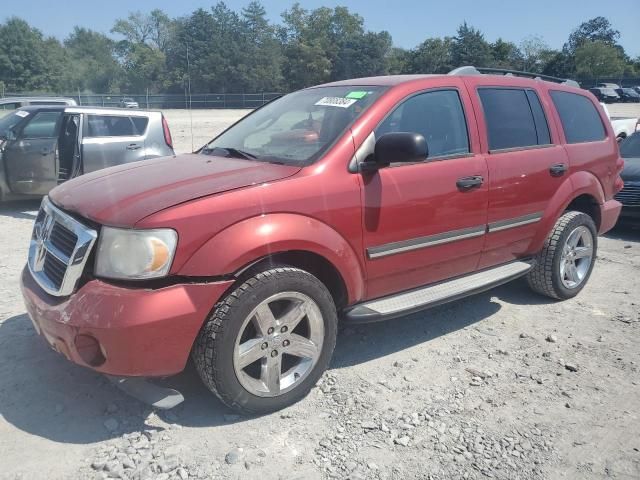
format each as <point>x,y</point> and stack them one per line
<point>471,70</point>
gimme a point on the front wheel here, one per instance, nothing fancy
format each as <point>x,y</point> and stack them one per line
<point>565,263</point>
<point>268,341</point>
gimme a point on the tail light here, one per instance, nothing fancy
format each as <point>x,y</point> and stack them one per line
<point>167,133</point>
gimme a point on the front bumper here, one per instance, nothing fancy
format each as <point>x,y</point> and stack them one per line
<point>140,332</point>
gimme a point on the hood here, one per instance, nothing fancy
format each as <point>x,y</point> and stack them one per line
<point>631,172</point>
<point>124,195</point>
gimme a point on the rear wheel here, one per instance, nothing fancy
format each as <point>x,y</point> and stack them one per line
<point>567,258</point>
<point>268,341</point>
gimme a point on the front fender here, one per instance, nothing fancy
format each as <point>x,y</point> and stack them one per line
<point>579,183</point>
<point>257,237</point>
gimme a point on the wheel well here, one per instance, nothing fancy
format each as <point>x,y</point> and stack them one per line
<point>586,204</point>
<point>313,263</point>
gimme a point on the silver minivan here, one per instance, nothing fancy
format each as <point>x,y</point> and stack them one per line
<point>43,146</point>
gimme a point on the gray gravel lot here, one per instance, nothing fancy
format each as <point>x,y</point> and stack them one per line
<point>504,385</point>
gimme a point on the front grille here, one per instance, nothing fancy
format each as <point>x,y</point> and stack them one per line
<point>629,196</point>
<point>63,239</point>
<point>59,250</point>
<point>54,269</point>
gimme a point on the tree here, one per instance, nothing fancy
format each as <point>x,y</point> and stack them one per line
<point>533,49</point>
<point>470,48</point>
<point>598,59</point>
<point>597,29</point>
<point>506,55</point>
<point>92,56</point>
<point>23,57</point>
<point>432,56</point>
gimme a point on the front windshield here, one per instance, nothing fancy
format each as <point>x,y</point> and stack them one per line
<point>630,146</point>
<point>10,121</point>
<point>297,128</point>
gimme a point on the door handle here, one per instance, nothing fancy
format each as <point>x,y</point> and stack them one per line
<point>468,183</point>
<point>133,146</point>
<point>558,170</point>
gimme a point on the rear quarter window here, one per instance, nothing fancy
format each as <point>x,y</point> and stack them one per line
<point>115,126</point>
<point>580,119</point>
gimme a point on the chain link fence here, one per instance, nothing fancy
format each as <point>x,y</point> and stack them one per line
<point>227,100</point>
<point>165,100</point>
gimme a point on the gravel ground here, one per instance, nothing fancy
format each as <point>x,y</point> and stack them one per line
<point>502,385</point>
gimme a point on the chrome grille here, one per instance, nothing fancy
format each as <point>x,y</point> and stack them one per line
<point>59,249</point>
<point>629,196</point>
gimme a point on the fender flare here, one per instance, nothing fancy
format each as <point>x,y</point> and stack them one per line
<point>579,183</point>
<point>252,239</point>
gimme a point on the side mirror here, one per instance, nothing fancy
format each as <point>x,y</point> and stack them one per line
<point>397,147</point>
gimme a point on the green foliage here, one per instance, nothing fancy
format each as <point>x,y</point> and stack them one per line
<point>598,59</point>
<point>227,51</point>
<point>470,48</point>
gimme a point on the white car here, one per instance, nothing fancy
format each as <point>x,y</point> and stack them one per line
<point>622,126</point>
<point>128,103</point>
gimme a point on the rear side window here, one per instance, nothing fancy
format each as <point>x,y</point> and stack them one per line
<point>42,125</point>
<point>438,116</point>
<point>580,119</point>
<point>514,118</point>
<point>115,126</point>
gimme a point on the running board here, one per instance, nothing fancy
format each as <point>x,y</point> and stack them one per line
<point>425,297</point>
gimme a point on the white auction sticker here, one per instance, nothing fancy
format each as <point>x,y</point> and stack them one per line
<point>22,113</point>
<point>336,102</point>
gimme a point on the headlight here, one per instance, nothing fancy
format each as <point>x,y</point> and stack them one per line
<point>135,254</point>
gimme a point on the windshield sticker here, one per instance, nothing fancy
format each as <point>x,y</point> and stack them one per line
<point>357,94</point>
<point>336,102</point>
<point>22,114</point>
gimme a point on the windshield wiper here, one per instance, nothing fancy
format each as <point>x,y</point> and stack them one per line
<point>232,152</point>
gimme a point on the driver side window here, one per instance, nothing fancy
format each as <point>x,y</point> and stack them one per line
<point>438,116</point>
<point>42,125</point>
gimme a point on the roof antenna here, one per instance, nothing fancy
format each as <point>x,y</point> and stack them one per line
<point>189,93</point>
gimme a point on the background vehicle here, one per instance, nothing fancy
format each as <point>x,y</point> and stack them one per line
<point>637,88</point>
<point>628,95</point>
<point>622,126</point>
<point>609,85</point>
<point>128,103</point>
<point>367,198</point>
<point>43,146</point>
<point>9,104</point>
<point>605,94</point>
<point>629,196</point>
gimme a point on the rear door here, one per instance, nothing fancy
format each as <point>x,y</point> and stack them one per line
<point>526,165</point>
<point>112,140</point>
<point>421,224</point>
<point>31,159</point>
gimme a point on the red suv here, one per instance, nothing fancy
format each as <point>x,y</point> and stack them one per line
<point>362,199</point>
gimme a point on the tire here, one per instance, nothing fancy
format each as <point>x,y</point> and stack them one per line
<point>551,276</point>
<point>240,319</point>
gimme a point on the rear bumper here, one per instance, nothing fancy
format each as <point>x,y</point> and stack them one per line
<point>609,214</point>
<point>140,332</point>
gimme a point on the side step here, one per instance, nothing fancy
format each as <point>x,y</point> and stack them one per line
<point>436,294</point>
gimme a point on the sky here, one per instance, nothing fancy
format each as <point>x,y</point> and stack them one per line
<point>408,21</point>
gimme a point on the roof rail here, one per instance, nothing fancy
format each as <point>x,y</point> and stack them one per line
<point>471,70</point>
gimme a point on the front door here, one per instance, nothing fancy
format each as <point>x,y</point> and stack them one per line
<point>425,221</point>
<point>30,159</point>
